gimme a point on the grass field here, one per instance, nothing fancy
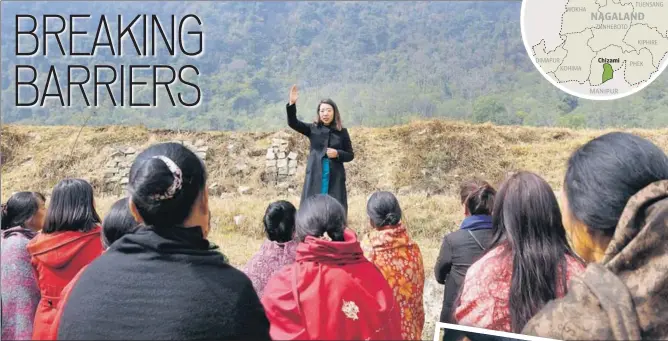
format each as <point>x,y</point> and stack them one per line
<point>423,163</point>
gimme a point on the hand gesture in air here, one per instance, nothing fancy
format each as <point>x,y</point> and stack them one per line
<point>294,95</point>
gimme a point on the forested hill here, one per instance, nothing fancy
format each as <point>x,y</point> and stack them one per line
<point>384,63</point>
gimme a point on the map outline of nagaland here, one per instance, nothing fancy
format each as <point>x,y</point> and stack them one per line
<point>603,49</point>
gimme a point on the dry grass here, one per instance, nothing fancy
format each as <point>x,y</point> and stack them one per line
<point>422,162</point>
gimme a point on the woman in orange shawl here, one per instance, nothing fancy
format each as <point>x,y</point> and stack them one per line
<point>391,249</point>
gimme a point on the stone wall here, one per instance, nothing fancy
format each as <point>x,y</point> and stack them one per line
<point>117,169</point>
<point>281,164</point>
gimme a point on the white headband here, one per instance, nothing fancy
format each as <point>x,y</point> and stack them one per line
<point>176,184</point>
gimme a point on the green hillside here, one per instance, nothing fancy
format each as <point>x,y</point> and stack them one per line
<point>384,63</point>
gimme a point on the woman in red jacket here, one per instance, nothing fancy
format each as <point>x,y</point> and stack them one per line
<point>69,241</point>
<point>117,223</point>
<point>331,291</point>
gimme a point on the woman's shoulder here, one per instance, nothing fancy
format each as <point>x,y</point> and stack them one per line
<point>280,281</point>
<point>490,265</point>
<point>568,310</point>
<point>15,244</point>
<point>455,236</point>
<point>14,238</point>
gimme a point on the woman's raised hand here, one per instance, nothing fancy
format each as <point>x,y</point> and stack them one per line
<point>294,94</point>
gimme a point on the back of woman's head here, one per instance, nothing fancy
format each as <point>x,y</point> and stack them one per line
<point>321,214</point>
<point>477,196</point>
<point>527,223</point>
<point>72,207</point>
<point>279,221</point>
<point>383,209</point>
<point>118,222</point>
<point>606,172</point>
<point>165,182</point>
<point>20,208</point>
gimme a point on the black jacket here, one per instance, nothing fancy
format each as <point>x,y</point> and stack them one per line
<point>163,284</point>
<point>321,138</point>
<point>458,252</point>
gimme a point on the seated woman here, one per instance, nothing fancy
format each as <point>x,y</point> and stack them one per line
<point>117,223</point>
<point>529,263</point>
<point>69,241</point>
<point>280,247</point>
<point>22,217</point>
<point>463,247</point>
<point>331,291</point>
<point>392,250</point>
<point>164,281</point>
<point>616,212</point>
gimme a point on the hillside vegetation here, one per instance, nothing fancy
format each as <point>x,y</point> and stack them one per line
<point>423,162</point>
<point>384,63</point>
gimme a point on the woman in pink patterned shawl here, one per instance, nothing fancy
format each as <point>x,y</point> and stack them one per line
<point>279,248</point>
<point>22,217</point>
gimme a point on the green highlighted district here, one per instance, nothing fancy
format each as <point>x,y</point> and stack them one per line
<point>607,72</point>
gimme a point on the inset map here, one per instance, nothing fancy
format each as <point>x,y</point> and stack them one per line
<point>597,49</point>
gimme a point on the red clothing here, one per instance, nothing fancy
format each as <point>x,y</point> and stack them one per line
<point>331,292</point>
<point>64,295</point>
<point>486,289</point>
<point>57,258</point>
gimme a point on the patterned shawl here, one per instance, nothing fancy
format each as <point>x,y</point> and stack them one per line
<point>20,293</point>
<point>400,260</point>
<point>624,296</point>
<point>271,257</point>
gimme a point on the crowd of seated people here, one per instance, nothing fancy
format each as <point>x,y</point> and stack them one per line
<point>587,265</point>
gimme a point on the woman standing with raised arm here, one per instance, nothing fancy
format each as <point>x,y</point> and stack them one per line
<point>330,148</point>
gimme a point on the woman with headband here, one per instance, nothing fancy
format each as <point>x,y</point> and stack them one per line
<point>164,281</point>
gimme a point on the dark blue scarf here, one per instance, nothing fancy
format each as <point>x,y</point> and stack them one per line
<point>477,222</point>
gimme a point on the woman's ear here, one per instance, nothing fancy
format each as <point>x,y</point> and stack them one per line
<point>134,211</point>
<point>466,210</point>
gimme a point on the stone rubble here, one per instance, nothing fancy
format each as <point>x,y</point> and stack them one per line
<point>281,163</point>
<point>117,169</point>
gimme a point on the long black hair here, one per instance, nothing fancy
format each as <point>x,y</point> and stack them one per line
<point>118,222</point>
<point>606,172</point>
<point>527,223</point>
<point>20,208</point>
<point>279,221</point>
<point>321,214</point>
<point>72,207</point>
<point>164,196</point>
